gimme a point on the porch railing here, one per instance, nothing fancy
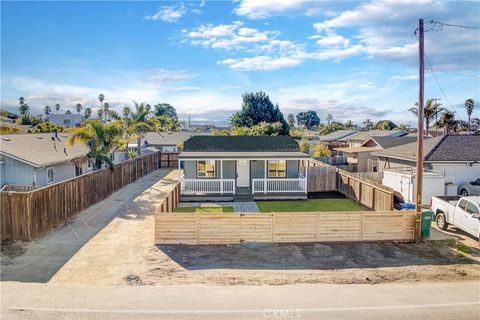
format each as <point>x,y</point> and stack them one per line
<point>195,186</point>
<point>279,185</point>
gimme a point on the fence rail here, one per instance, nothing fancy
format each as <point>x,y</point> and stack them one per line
<point>27,215</point>
<point>279,185</point>
<point>216,186</point>
<point>205,228</point>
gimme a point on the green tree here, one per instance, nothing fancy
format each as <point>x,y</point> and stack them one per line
<point>385,125</point>
<point>308,119</point>
<point>68,112</point>
<point>46,127</point>
<point>304,145</point>
<point>101,140</point>
<point>368,124</point>
<point>349,124</point>
<point>291,121</point>
<point>431,111</point>
<point>47,110</point>
<point>266,129</point>
<point>101,97</point>
<point>469,105</point>
<point>216,132</point>
<point>88,113</point>
<point>165,109</point>
<point>256,108</point>
<point>24,108</point>
<point>402,127</point>
<point>321,150</point>
<point>57,107</point>
<point>138,125</point>
<point>447,121</point>
<point>126,112</point>
<point>4,129</point>
<point>329,118</point>
<point>324,129</point>
<point>78,107</point>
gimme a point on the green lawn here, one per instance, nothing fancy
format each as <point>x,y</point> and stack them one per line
<point>310,205</point>
<point>206,209</point>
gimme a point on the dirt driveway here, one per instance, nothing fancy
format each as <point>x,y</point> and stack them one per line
<point>40,260</point>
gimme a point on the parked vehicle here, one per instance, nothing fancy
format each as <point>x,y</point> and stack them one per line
<point>470,189</point>
<point>462,212</point>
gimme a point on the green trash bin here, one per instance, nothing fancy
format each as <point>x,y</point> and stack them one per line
<point>427,217</point>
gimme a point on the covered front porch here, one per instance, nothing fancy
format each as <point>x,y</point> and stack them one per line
<point>243,178</point>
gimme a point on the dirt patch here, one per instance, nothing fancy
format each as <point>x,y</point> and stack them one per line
<point>10,249</point>
<point>280,264</point>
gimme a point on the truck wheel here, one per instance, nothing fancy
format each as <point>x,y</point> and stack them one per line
<point>441,221</point>
<point>464,193</point>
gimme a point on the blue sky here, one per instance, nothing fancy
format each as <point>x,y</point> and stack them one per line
<point>355,60</point>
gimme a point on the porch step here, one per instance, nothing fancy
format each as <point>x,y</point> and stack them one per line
<point>243,198</point>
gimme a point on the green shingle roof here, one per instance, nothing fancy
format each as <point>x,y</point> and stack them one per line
<point>240,144</point>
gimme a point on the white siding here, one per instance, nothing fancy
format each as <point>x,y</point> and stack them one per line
<point>458,173</point>
<point>63,171</point>
<point>16,172</point>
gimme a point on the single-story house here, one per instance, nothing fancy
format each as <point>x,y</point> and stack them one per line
<point>456,157</point>
<point>242,168</point>
<point>356,139</point>
<point>336,139</point>
<point>70,120</point>
<point>167,141</point>
<point>40,159</point>
<point>362,157</point>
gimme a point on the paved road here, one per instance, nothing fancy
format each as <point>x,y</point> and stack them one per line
<point>438,301</point>
<point>45,256</point>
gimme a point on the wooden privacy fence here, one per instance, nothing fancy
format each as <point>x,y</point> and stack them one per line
<point>292,227</point>
<point>359,187</point>
<point>27,215</point>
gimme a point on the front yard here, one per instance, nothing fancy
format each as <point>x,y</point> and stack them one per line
<point>310,205</point>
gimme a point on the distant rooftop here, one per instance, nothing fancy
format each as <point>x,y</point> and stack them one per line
<point>169,138</point>
<point>364,135</point>
<point>336,135</point>
<point>40,149</point>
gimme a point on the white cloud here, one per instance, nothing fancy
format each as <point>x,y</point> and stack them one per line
<point>163,75</point>
<point>168,13</point>
<point>227,36</point>
<point>260,9</point>
<point>406,77</point>
<point>265,63</point>
<point>333,40</point>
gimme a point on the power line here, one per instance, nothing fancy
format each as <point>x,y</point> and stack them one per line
<point>438,26</point>
<point>461,74</point>
<point>436,80</point>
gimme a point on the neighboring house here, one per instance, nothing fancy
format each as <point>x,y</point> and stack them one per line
<point>40,159</point>
<point>455,157</point>
<point>242,168</point>
<point>336,139</point>
<point>168,141</point>
<point>356,139</point>
<point>361,157</point>
<point>67,120</point>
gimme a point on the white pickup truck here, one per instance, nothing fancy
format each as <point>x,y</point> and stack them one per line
<point>462,212</point>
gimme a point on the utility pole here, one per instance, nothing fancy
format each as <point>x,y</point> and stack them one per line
<point>419,177</point>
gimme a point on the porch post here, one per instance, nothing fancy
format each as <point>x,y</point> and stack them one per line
<point>265,177</point>
<point>221,176</point>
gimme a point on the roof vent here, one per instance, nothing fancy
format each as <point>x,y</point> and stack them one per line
<point>5,139</point>
<point>39,137</point>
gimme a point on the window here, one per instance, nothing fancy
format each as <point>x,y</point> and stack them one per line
<point>112,157</point>
<point>471,208</point>
<point>206,169</point>
<point>90,163</point>
<point>463,204</point>
<point>50,175</point>
<point>277,168</point>
<point>67,122</point>
<point>78,170</point>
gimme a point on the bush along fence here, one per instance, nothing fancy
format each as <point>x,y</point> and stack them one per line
<point>355,186</point>
<point>28,214</point>
<point>208,228</point>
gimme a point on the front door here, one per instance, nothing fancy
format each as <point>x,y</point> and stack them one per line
<point>243,173</point>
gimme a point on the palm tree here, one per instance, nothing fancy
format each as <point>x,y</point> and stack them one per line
<point>47,110</point>
<point>57,107</point>
<point>88,113</point>
<point>78,107</point>
<point>431,110</point>
<point>349,124</point>
<point>21,100</point>
<point>100,114</point>
<point>447,121</point>
<point>101,140</point>
<point>138,125</point>
<point>101,97</point>
<point>368,124</point>
<point>291,121</point>
<point>329,118</point>
<point>23,109</point>
<point>126,112</point>
<point>106,109</point>
<point>469,105</point>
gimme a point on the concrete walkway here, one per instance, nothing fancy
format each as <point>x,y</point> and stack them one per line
<point>250,206</point>
<point>45,256</point>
